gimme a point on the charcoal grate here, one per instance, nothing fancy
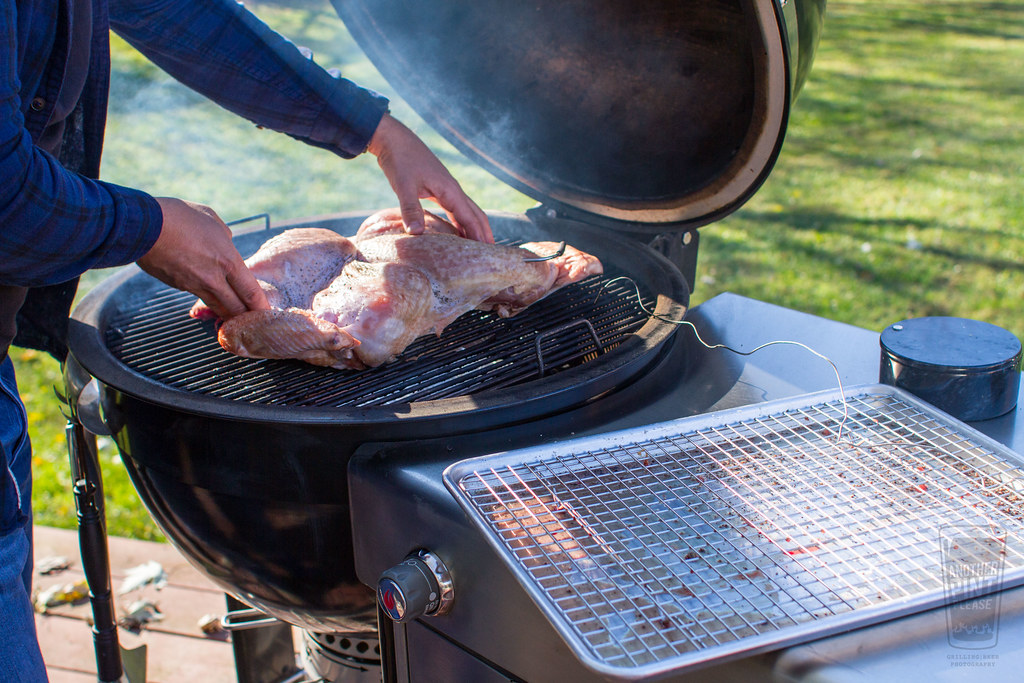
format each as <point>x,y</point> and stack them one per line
<point>478,352</point>
<point>694,541</point>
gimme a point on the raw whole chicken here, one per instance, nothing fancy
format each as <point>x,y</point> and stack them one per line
<point>359,302</point>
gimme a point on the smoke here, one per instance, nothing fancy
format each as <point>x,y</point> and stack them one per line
<point>167,140</point>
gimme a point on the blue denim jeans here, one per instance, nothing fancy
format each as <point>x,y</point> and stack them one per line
<point>20,659</point>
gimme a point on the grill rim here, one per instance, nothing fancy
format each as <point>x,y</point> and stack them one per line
<point>91,318</point>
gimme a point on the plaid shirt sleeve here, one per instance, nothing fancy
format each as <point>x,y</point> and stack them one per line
<point>221,50</point>
<point>55,225</point>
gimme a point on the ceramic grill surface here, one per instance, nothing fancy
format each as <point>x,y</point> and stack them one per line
<point>735,532</point>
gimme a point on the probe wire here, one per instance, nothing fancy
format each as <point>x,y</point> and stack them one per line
<point>696,333</point>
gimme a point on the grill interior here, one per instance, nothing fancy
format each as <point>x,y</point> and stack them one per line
<point>153,335</point>
<point>750,532</point>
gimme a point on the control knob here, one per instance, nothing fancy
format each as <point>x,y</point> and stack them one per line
<point>418,586</point>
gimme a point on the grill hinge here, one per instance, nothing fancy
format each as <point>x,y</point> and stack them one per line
<point>677,245</point>
<point>681,249</point>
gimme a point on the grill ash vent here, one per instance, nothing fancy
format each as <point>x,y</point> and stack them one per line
<point>478,352</point>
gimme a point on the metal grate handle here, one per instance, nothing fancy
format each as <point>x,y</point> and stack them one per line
<point>541,336</point>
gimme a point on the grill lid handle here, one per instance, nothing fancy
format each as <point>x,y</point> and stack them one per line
<point>82,396</point>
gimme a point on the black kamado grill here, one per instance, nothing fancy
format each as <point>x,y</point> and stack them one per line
<point>243,462</point>
<point>300,489</point>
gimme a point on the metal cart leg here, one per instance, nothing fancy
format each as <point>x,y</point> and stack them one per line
<point>92,540</point>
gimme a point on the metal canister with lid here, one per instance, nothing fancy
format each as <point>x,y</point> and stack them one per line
<point>968,368</point>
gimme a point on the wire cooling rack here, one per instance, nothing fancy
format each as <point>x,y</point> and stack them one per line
<point>689,542</point>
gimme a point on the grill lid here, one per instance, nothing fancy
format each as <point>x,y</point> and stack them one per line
<point>663,114</point>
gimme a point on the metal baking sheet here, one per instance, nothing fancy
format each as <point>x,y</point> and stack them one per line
<point>677,545</point>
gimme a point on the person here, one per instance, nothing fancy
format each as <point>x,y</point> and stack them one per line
<point>57,220</point>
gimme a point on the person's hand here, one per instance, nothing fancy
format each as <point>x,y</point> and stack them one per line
<point>194,252</point>
<point>415,173</point>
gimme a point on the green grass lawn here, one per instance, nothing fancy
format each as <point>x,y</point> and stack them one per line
<point>898,192</point>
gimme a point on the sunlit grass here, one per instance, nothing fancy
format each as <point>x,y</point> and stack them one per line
<point>898,192</point>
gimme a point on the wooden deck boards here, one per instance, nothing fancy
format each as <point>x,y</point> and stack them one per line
<point>177,649</point>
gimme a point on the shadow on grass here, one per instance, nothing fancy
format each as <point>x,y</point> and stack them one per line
<point>857,269</point>
<point>1003,20</point>
<point>882,230</point>
<point>879,123</point>
<point>983,19</point>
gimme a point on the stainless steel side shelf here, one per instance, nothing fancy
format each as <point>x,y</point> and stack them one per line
<point>676,545</point>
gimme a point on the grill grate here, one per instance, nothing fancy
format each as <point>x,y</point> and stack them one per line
<point>154,336</point>
<point>693,544</point>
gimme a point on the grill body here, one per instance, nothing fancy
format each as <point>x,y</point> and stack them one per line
<point>243,463</point>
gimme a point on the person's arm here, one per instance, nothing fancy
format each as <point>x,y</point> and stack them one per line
<point>221,50</point>
<point>416,173</point>
<point>195,253</point>
<point>55,225</point>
